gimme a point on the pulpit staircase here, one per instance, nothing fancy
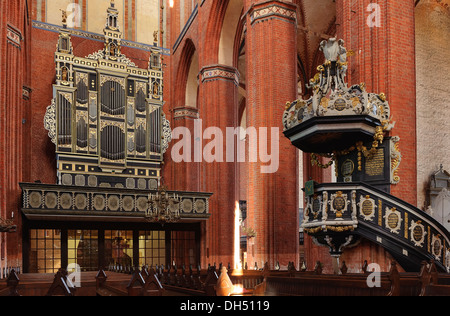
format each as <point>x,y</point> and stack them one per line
<point>352,128</point>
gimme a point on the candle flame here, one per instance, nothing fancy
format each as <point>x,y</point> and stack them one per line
<point>238,290</point>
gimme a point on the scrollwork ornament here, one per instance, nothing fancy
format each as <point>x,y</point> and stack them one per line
<point>418,233</point>
<point>121,59</point>
<point>447,259</point>
<point>50,121</point>
<point>308,210</point>
<point>339,204</point>
<point>325,206</point>
<point>367,208</point>
<point>167,134</point>
<point>396,159</point>
<point>437,246</point>
<point>331,95</point>
<point>393,220</point>
<point>97,55</point>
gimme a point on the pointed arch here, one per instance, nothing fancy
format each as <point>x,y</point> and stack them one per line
<point>184,70</point>
<point>213,30</point>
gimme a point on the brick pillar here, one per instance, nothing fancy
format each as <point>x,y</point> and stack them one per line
<point>14,80</point>
<point>383,38</point>
<point>218,107</point>
<point>272,81</point>
<point>186,174</point>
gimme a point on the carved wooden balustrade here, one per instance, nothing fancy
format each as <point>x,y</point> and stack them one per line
<point>44,200</point>
<point>339,214</point>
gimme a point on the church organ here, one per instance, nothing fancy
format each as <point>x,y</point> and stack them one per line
<point>106,117</point>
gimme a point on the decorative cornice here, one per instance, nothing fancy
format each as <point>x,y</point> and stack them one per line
<point>273,9</point>
<point>96,37</point>
<point>186,113</point>
<point>219,72</point>
<point>13,36</point>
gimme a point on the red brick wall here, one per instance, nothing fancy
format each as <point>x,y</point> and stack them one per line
<point>271,82</point>
<point>385,61</point>
<point>216,107</point>
<point>43,164</point>
<point>272,199</point>
<point>217,100</point>
<point>14,75</point>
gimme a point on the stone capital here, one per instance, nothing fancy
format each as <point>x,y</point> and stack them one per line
<point>186,112</point>
<point>219,72</point>
<point>273,9</point>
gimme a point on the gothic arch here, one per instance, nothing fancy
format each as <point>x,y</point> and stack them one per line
<point>192,82</point>
<point>213,30</point>
<point>189,58</point>
<point>231,34</point>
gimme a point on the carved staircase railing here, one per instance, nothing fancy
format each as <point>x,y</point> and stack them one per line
<point>339,214</point>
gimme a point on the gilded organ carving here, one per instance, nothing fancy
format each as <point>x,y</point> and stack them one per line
<point>106,116</point>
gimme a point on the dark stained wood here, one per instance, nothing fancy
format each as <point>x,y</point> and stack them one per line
<point>152,285</point>
<point>312,284</point>
<point>344,268</point>
<point>61,286</point>
<point>142,283</point>
<point>198,282</point>
<point>432,283</point>
<point>394,277</point>
<point>11,283</point>
<point>136,285</point>
<point>211,282</point>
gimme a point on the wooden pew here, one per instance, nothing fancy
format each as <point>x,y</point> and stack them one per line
<point>201,283</point>
<point>307,284</point>
<point>119,285</point>
<point>61,286</point>
<point>11,285</point>
<point>246,279</point>
<point>142,283</point>
<point>433,283</point>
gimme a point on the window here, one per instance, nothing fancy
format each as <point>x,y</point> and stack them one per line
<point>155,61</point>
<point>83,249</point>
<point>152,248</point>
<point>45,254</point>
<point>119,248</point>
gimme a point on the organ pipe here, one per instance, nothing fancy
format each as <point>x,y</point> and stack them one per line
<point>65,121</point>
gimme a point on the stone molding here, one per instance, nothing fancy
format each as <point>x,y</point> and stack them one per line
<point>219,72</point>
<point>186,113</point>
<point>273,9</point>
